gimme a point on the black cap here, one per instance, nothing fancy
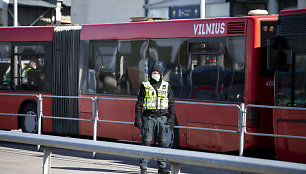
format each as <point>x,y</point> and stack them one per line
<point>156,68</point>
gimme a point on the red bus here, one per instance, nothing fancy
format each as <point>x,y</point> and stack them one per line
<point>219,60</point>
<point>288,58</point>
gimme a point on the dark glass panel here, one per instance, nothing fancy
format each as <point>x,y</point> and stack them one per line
<point>23,66</point>
<point>131,61</point>
<point>171,54</point>
<point>5,63</point>
<point>291,73</point>
<point>102,67</point>
<point>216,73</point>
<point>204,47</point>
<point>234,69</point>
<point>300,80</point>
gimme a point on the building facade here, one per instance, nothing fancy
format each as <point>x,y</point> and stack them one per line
<point>106,11</point>
<point>181,9</point>
<point>35,12</point>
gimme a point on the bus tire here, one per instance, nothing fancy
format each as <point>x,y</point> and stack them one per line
<point>29,124</point>
<point>172,137</point>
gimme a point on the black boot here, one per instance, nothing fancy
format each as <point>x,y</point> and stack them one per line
<point>143,171</point>
<point>163,171</point>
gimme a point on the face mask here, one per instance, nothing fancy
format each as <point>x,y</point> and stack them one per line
<point>156,77</point>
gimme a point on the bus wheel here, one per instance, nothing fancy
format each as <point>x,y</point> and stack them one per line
<point>30,123</point>
<point>172,138</point>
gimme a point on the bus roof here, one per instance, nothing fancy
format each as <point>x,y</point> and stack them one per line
<point>11,34</point>
<point>213,27</point>
<point>292,12</point>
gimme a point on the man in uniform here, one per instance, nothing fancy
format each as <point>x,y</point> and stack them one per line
<point>154,110</point>
<point>28,73</point>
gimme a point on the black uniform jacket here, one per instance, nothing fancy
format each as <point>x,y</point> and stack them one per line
<point>153,113</point>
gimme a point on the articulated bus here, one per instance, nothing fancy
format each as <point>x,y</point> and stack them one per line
<point>222,60</point>
<point>287,56</point>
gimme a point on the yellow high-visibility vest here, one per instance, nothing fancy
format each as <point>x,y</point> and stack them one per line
<point>156,100</point>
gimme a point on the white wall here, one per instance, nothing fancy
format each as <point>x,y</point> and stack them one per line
<point>4,13</point>
<point>301,4</point>
<point>105,11</point>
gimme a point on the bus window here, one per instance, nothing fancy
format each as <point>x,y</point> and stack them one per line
<point>206,76</point>
<point>131,62</point>
<point>234,65</point>
<point>171,54</point>
<point>102,64</point>
<point>29,62</point>
<point>5,62</point>
<point>216,69</point>
<point>25,69</point>
<point>290,75</point>
<point>300,80</point>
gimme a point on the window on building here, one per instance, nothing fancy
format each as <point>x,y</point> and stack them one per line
<point>287,4</point>
<point>243,8</point>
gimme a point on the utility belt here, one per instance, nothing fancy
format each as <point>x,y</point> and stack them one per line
<point>155,113</point>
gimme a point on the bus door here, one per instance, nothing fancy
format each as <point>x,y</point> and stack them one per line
<point>205,82</point>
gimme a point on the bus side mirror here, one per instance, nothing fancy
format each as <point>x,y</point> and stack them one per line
<point>284,59</point>
<point>279,57</point>
<point>271,58</point>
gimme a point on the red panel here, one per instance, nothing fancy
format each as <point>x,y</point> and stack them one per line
<point>165,29</point>
<point>161,29</point>
<point>112,110</point>
<point>85,112</point>
<point>85,127</point>
<point>11,104</point>
<point>181,115</point>
<point>47,111</point>
<point>223,141</point>
<point>252,59</point>
<point>135,131</point>
<point>11,34</point>
<point>199,139</point>
<point>290,122</point>
<point>116,111</point>
<point>292,12</point>
<point>220,115</point>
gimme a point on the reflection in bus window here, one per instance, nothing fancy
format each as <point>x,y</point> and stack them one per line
<point>24,70</point>
<point>207,77</point>
<point>291,74</point>
<point>171,54</point>
<point>216,70</point>
<point>132,56</point>
<point>300,81</point>
<point>29,61</point>
<point>5,62</point>
<point>211,72</point>
<point>102,66</point>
